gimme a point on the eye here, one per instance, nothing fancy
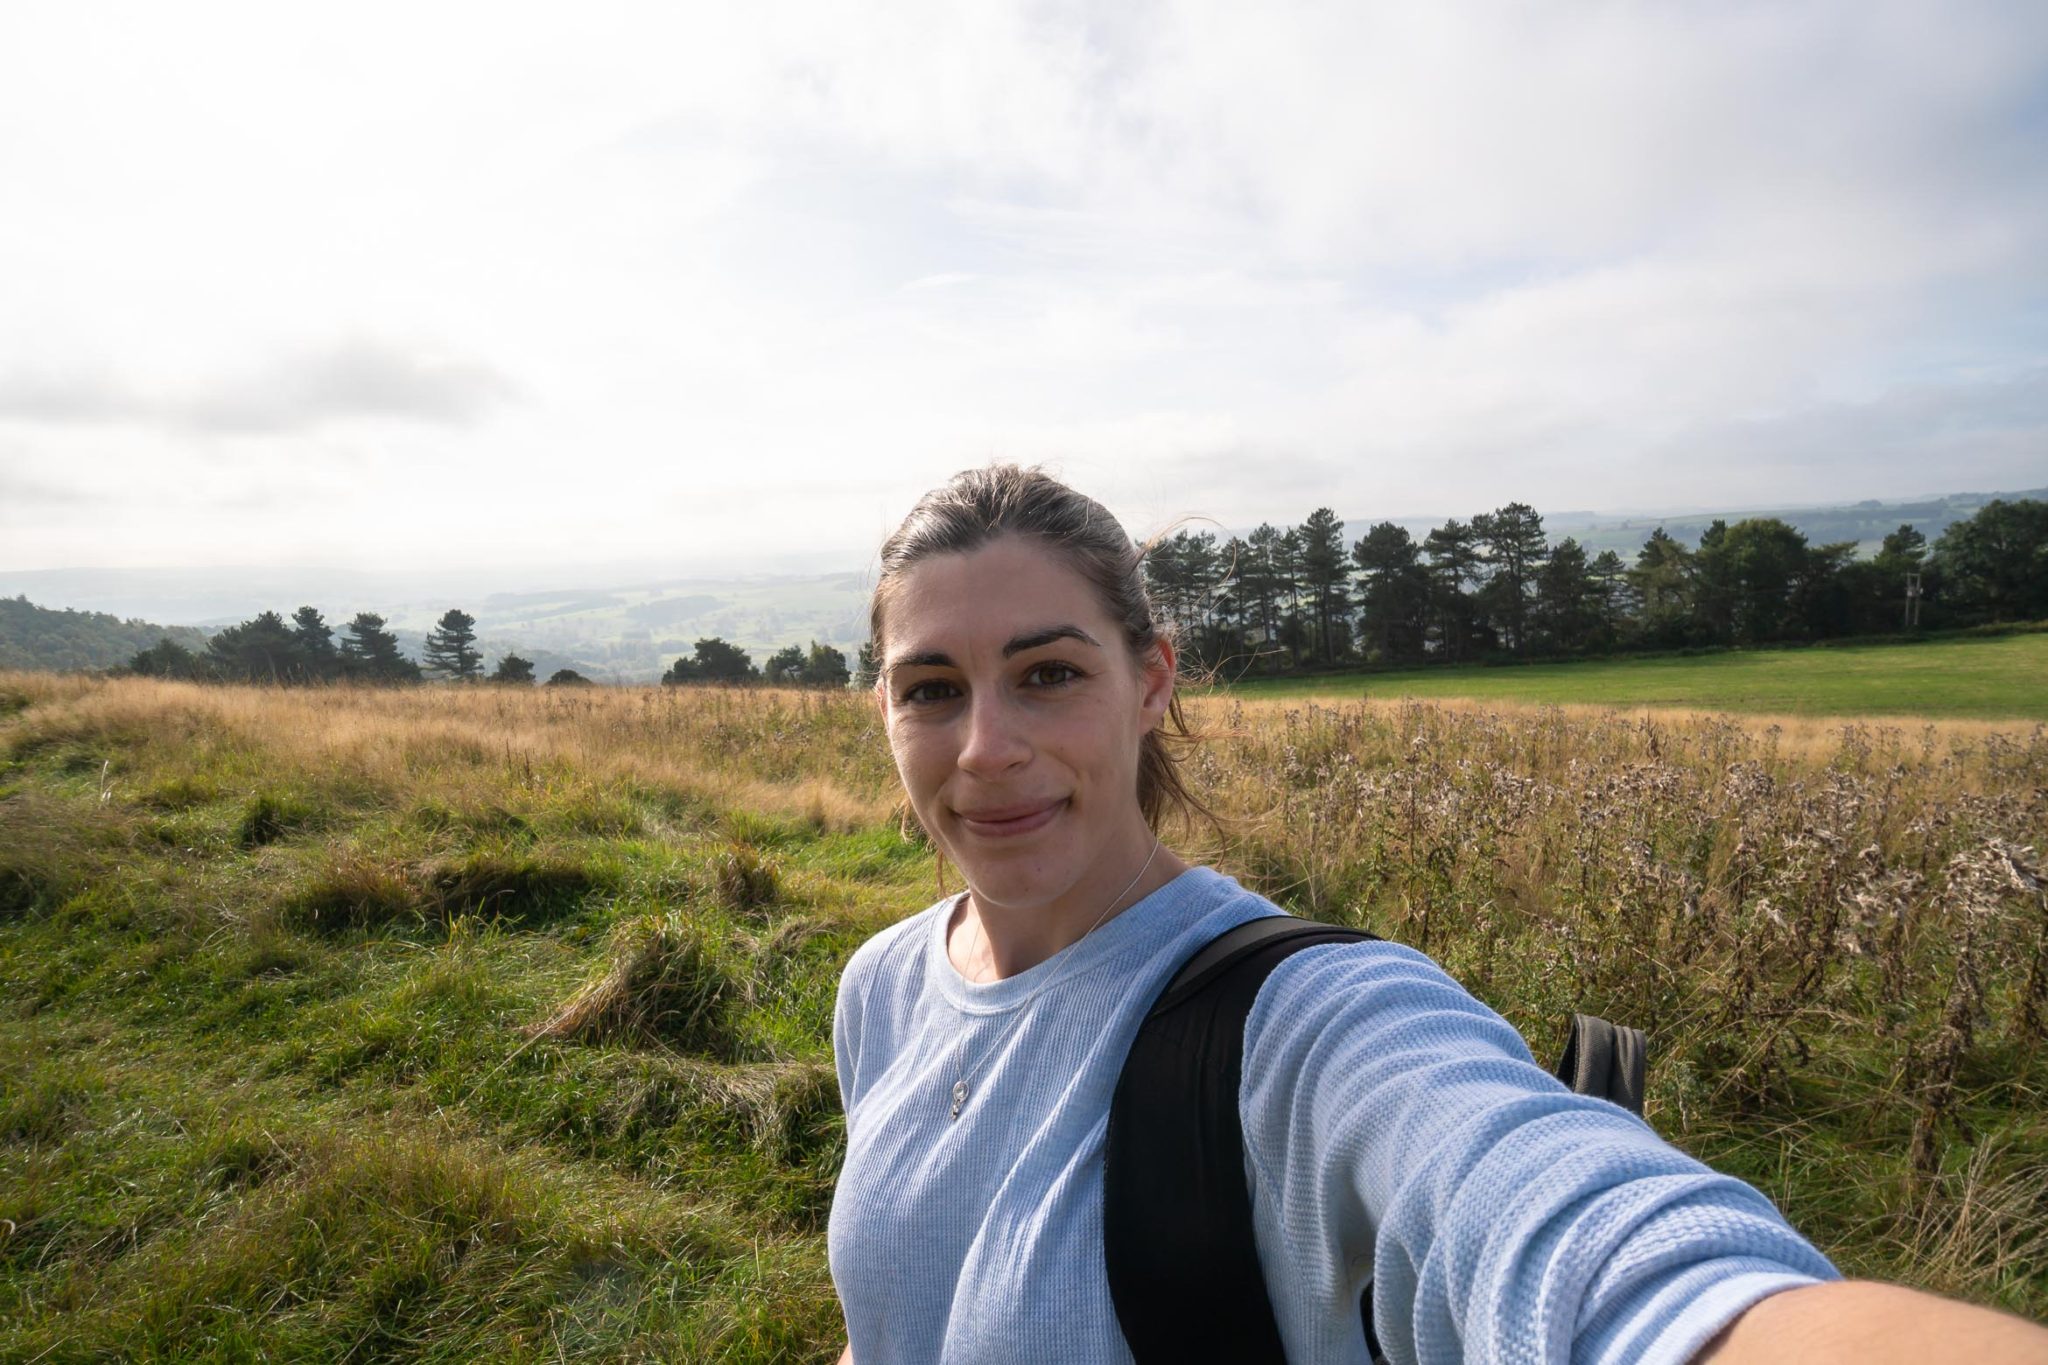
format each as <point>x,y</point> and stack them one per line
<point>911,693</point>
<point>1055,666</point>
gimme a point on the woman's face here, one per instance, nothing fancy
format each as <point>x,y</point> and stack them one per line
<point>1015,713</point>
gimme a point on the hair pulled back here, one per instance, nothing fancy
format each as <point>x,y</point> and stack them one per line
<point>976,506</point>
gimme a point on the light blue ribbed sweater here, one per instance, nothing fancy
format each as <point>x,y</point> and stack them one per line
<point>1396,1130</point>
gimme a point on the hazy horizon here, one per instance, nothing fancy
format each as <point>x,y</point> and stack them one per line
<point>819,595</point>
<point>525,576</point>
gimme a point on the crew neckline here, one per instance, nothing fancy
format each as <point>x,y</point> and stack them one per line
<point>1083,954</point>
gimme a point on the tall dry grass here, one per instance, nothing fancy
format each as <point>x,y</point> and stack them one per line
<point>794,753</point>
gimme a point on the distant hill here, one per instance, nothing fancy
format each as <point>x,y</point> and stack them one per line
<point>47,638</point>
<point>614,630</point>
<point>1866,523</point>
<point>52,639</point>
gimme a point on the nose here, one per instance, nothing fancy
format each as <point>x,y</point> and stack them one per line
<point>995,741</point>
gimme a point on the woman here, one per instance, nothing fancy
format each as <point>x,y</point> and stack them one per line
<point>1395,1129</point>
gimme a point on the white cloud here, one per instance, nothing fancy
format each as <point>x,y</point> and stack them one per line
<point>296,391</point>
<point>648,276</point>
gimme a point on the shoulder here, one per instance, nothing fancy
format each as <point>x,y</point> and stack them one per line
<point>877,992</point>
<point>1337,994</point>
<point>1366,1054</point>
<point>890,954</point>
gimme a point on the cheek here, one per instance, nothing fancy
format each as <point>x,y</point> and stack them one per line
<point>917,756</point>
<point>1098,741</point>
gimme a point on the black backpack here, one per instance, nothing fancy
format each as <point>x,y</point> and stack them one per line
<point>1177,1218</point>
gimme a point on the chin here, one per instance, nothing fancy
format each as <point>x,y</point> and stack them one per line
<point>1006,883</point>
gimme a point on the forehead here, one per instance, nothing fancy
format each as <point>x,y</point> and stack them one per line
<point>988,593</point>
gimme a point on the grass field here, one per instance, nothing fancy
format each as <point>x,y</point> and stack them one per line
<point>450,1024</point>
<point>1993,678</point>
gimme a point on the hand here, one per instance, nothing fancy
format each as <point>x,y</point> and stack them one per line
<point>1869,1323</point>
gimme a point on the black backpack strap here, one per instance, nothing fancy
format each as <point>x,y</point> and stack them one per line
<point>1607,1060</point>
<point>1178,1238</point>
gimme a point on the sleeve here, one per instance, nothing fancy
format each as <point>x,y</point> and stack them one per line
<point>848,1009</point>
<point>1397,1128</point>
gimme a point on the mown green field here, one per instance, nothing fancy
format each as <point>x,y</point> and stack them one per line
<point>2000,677</point>
<point>454,1024</point>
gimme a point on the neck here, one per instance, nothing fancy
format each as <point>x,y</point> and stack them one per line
<point>989,941</point>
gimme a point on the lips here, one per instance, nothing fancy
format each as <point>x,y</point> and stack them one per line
<point>1006,820</point>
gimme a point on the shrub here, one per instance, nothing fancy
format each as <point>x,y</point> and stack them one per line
<point>354,891</point>
<point>744,879</point>
<point>266,818</point>
<point>664,983</point>
<point>521,885</point>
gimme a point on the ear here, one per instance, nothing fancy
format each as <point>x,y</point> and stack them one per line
<point>1162,665</point>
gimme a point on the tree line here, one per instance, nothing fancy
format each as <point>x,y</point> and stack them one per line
<point>714,660</point>
<point>1278,599</point>
<point>305,650</point>
<point>1494,587</point>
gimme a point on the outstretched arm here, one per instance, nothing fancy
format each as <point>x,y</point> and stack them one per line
<point>1868,1323</point>
<point>1386,1111</point>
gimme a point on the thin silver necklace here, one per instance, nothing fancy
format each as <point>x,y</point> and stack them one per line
<point>960,1072</point>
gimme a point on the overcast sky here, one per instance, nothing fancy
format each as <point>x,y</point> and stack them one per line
<point>433,284</point>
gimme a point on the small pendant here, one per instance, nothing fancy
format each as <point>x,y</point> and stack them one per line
<point>959,1097</point>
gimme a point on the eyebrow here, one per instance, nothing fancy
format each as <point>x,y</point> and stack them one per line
<point>1033,639</point>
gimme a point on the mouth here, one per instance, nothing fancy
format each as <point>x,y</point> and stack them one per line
<point>1004,821</point>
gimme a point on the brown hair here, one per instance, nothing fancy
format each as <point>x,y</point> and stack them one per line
<point>977,505</point>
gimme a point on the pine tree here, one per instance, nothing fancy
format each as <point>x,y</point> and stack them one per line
<point>1326,574</point>
<point>448,650</point>
<point>715,660</point>
<point>1394,596</point>
<point>262,649</point>
<point>868,666</point>
<point>165,659</point>
<point>1186,578</point>
<point>1823,602</point>
<point>1454,565</point>
<point>371,652</point>
<point>1662,581</point>
<point>316,643</point>
<point>1567,599</point>
<point>1287,583</point>
<point>826,666</point>
<point>1715,591</point>
<point>1876,588</point>
<point>1907,546</point>
<point>1236,611</point>
<point>513,669</point>
<point>1611,598</point>
<point>1512,540</point>
<point>1166,579</point>
<point>1258,585</point>
<point>1762,559</point>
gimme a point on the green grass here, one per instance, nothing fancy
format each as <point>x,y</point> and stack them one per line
<point>445,1026</point>
<point>275,1080</point>
<point>1997,678</point>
